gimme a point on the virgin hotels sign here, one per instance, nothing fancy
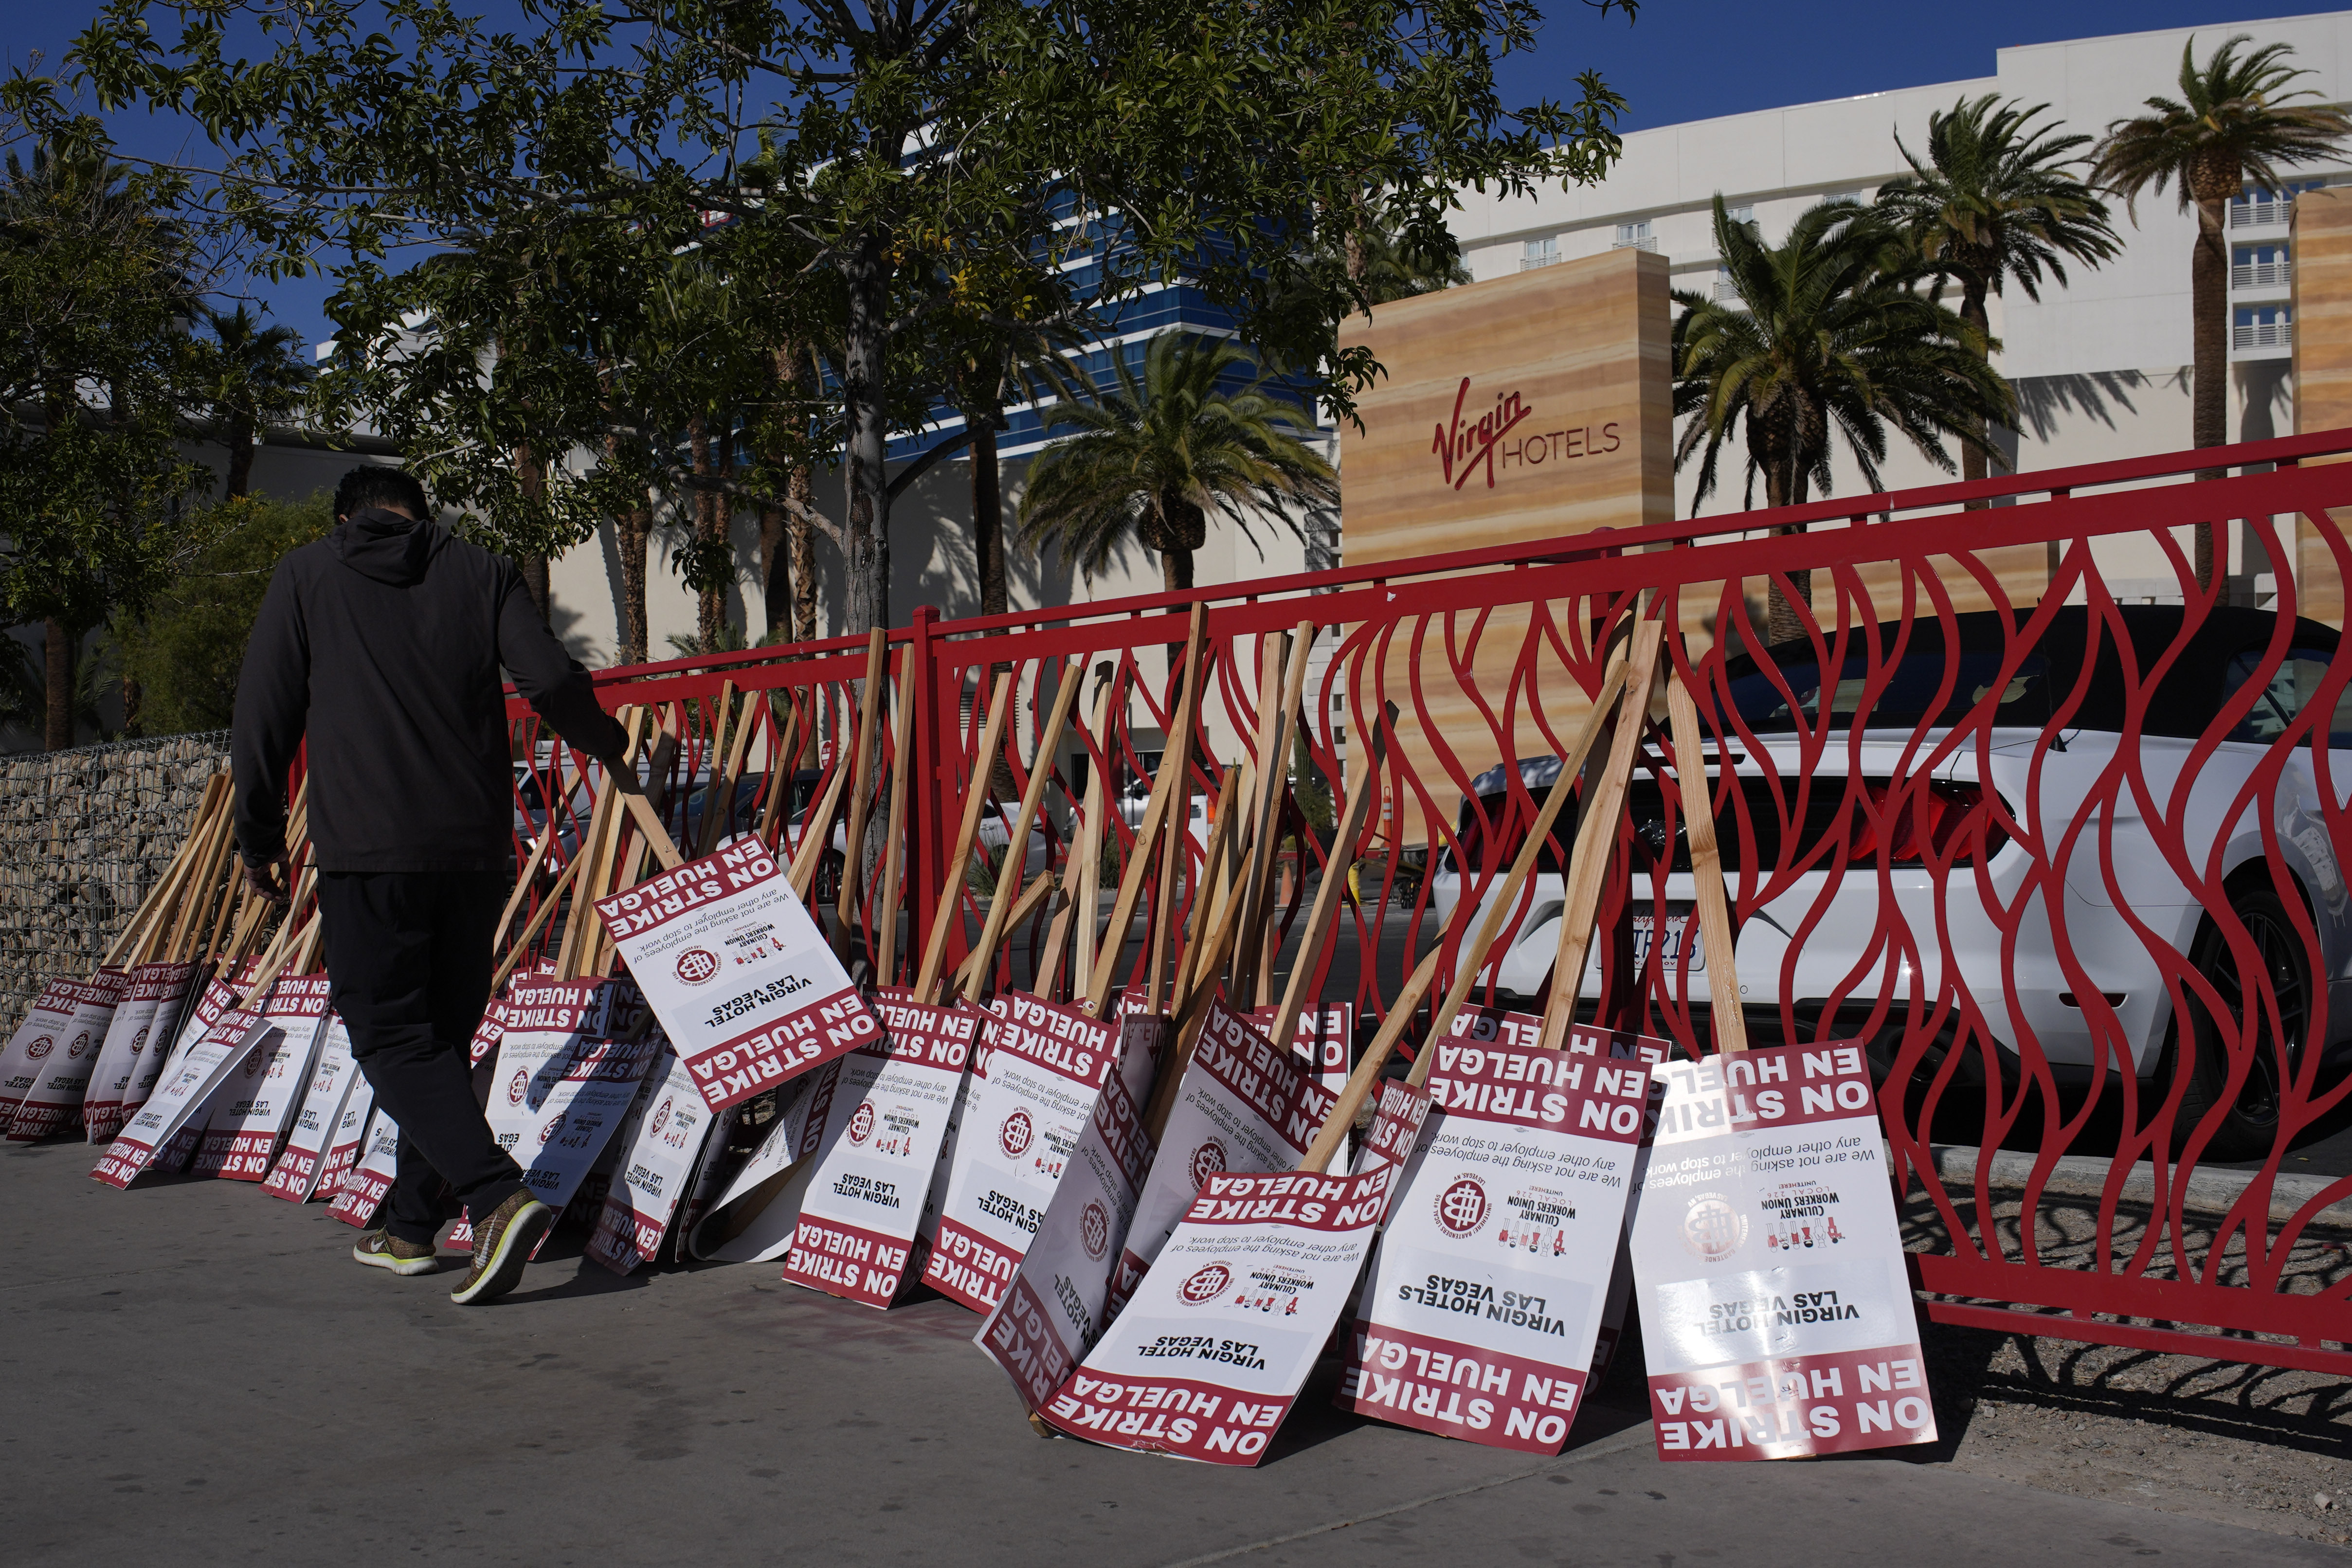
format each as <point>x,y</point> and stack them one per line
<point>1512,411</point>
<point>1464,447</point>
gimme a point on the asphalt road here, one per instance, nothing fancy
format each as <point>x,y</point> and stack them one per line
<point>199,1375</point>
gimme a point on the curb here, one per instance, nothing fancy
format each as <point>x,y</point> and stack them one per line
<point>2207,1192</point>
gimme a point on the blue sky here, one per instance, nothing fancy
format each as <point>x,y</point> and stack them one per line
<point>1682,60</point>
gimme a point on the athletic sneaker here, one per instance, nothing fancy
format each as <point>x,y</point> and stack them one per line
<point>502,1245</point>
<point>383,1249</point>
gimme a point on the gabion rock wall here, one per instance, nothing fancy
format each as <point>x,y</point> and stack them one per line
<point>83,835</point>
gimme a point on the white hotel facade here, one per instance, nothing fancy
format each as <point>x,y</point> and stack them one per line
<point>2100,364</point>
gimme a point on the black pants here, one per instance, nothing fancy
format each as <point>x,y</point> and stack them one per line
<point>408,954</point>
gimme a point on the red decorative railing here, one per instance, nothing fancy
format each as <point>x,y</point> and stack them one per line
<point>2070,867</point>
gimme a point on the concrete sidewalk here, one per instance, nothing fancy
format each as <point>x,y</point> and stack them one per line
<point>196,1371</point>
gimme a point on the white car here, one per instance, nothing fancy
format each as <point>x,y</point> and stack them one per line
<point>1813,940</point>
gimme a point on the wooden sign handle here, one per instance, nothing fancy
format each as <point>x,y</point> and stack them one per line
<point>1596,838</point>
<point>1170,787</point>
<point>1001,914</point>
<point>975,801</point>
<point>1083,868</point>
<point>1714,902</point>
<point>861,786</point>
<point>1333,1134</point>
<point>1364,785</point>
<point>893,854</point>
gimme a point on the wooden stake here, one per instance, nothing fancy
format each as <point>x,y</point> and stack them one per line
<point>861,788</point>
<point>1472,959</point>
<point>726,749</point>
<point>1002,915</point>
<point>1596,839</point>
<point>1082,874</point>
<point>1707,871</point>
<point>975,799</point>
<point>816,834</point>
<point>539,917</point>
<point>1363,784</point>
<point>1253,965</point>
<point>1333,1134</point>
<point>894,855</point>
<point>522,883</point>
<point>974,970</point>
<point>1170,785</point>
<point>153,916</point>
<point>781,766</point>
<point>197,913</point>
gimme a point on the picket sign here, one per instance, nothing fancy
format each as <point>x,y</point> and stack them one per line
<point>58,1077</point>
<point>1209,1355</point>
<point>299,1168</point>
<point>241,1137</point>
<point>1054,1307</point>
<point>185,1096</point>
<point>1320,1037</point>
<point>1777,1317</point>
<point>1244,1107</point>
<point>935,1199</point>
<point>658,1147</point>
<point>559,1092</point>
<point>706,1178</point>
<point>1484,1297</point>
<point>863,1207</point>
<point>363,1185</point>
<point>349,1138</point>
<point>1045,1067</point>
<point>146,1012</point>
<point>746,987</point>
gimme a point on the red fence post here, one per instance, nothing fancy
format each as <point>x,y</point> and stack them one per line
<point>933,741</point>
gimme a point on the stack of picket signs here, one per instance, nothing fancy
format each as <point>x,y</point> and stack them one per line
<point>1141,1189</point>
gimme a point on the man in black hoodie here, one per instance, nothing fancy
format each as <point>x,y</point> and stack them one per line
<point>381,644</point>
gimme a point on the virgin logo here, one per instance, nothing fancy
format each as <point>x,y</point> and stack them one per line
<point>861,1122</point>
<point>697,966</point>
<point>1094,1231</point>
<point>1205,1285</point>
<point>1462,449</point>
<point>1015,1134</point>
<point>1462,1207</point>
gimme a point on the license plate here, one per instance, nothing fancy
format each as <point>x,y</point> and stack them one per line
<point>1681,931</point>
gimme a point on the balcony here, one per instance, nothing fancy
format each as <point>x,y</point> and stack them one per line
<point>2262,274</point>
<point>2263,335</point>
<point>1529,263</point>
<point>1646,242</point>
<point>2260,214</point>
<point>1725,289</point>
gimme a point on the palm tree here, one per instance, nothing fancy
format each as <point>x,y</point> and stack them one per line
<point>1828,332</point>
<point>1152,459</point>
<point>1996,200</point>
<point>252,376</point>
<point>2232,119</point>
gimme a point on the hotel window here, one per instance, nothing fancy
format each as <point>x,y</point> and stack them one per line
<point>1634,236</point>
<point>1725,289</point>
<point>2259,266</point>
<point>2262,327</point>
<point>1537,252</point>
<point>1744,215</point>
<point>2255,206</point>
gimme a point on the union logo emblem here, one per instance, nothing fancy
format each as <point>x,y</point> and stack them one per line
<point>1462,1207</point>
<point>80,1044</point>
<point>40,1047</point>
<point>554,1124</point>
<point>861,1122</point>
<point>1016,1135</point>
<point>1711,1228</point>
<point>139,1042</point>
<point>1206,1285</point>
<point>1208,1160</point>
<point>516,1088</point>
<point>1094,1231</point>
<point>697,966</point>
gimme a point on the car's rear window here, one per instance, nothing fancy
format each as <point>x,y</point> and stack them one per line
<point>1906,702</point>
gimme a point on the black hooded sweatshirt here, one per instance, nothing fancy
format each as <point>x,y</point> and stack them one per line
<point>381,644</point>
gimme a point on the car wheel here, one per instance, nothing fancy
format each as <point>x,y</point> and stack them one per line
<point>2250,1125</point>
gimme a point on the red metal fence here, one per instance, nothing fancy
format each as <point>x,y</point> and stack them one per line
<point>2066,857</point>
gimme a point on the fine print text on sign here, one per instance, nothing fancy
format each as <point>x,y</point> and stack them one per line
<point>1211,1354</point>
<point>1776,1316</point>
<point>1487,1289</point>
<point>658,1150</point>
<point>746,987</point>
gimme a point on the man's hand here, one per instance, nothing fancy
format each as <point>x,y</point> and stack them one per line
<point>266,880</point>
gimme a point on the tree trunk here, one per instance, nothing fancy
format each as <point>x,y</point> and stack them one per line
<point>633,531</point>
<point>134,697</point>
<point>775,570</point>
<point>57,647</point>
<point>719,541</point>
<point>240,465</point>
<point>1176,569</point>
<point>866,538</point>
<point>2209,387</point>
<point>1784,623</point>
<point>802,492</point>
<point>987,511</point>
<point>1975,453</point>
<point>532,475</point>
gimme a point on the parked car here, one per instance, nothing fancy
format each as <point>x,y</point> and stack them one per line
<point>2124,902</point>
